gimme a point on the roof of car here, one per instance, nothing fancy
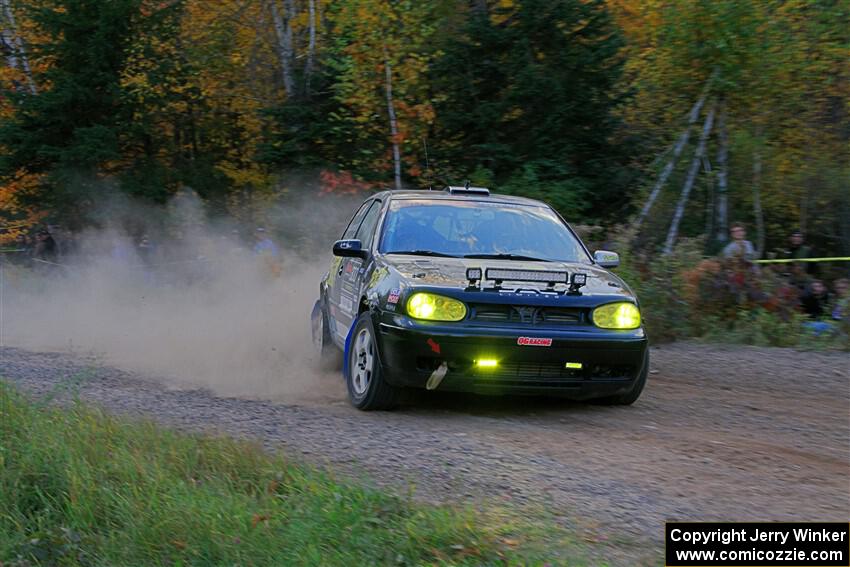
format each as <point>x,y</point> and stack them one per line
<point>438,195</point>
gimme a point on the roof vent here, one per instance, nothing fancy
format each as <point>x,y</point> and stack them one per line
<point>456,190</point>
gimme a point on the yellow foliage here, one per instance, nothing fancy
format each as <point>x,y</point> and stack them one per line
<point>17,219</point>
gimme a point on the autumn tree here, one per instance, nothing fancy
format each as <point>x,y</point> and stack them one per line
<point>780,79</point>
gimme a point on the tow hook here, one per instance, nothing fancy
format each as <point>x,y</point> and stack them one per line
<point>437,376</point>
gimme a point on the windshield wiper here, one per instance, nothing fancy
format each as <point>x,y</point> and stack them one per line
<point>505,257</point>
<point>422,253</point>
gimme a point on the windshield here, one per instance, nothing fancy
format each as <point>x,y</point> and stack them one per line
<point>478,229</point>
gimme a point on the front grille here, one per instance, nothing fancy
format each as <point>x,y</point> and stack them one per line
<point>492,313</point>
<point>561,316</point>
<point>529,371</point>
<point>526,315</point>
<point>547,371</point>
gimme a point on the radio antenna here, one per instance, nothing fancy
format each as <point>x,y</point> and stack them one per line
<point>427,162</point>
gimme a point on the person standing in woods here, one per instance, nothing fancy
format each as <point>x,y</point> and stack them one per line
<point>799,250</point>
<point>740,248</point>
<point>45,246</point>
<point>45,252</point>
<point>266,249</point>
<point>739,268</point>
<point>264,245</point>
<point>146,251</point>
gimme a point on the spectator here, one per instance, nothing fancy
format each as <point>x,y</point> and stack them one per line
<point>264,245</point>
<point>799,250</point>
<point>145,249</point>
<point>45,248</point>
<point>266,249</point>
<point>740,248</point>
<point>815,300</point>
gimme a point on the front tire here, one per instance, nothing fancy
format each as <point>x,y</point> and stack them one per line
<point>364,377</point>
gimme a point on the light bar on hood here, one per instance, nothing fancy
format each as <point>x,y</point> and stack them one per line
<point>499,274</point>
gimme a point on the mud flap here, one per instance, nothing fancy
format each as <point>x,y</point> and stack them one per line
<point>316,323</point>
<point>346,349</point>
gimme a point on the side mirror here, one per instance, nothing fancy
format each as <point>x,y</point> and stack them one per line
<point>350,249</point>
<point>606,259</point>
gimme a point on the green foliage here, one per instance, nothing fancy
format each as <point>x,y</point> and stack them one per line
<point>77,121</point>
<point>527,92</point>
<point>660,287</point>
<point>80,488</point>
<point>300,131</point>
<point>541,180</point>
<point>685,295</point>
<point>758,327</point>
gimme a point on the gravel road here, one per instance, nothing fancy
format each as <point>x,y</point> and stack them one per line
<point>721,433</point>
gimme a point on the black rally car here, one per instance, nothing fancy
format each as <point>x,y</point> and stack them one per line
<point>464,290</point>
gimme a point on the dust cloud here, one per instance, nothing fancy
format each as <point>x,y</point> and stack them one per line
<point>199,309</point>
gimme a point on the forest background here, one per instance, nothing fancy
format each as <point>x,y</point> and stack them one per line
<point>711,111</point>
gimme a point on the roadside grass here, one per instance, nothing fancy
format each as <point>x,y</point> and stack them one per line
<point>79,487</point>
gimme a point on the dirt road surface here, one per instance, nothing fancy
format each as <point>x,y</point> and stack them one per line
<point>721,433</point>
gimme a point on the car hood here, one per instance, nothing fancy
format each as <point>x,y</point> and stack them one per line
<point>451,272</point>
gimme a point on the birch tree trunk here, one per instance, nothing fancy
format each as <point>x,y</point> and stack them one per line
<point>709,197</point>
<point>722,175</point>
<point>844,218</point>
<point>757,210</point>
<point>14,45</point>
<point>844,202</point>
<point>689,182</point>
<point>285,50</point>
<point>7,47</point>
<point>311,45</point>
<point>674,158</point>
<point>388,86</point>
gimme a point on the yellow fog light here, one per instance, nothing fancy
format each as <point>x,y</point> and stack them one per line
<point>486,363</point>
<point>435,307</point>
<point>617,316</point>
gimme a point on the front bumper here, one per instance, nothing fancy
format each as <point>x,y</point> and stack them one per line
<point>611,361</point>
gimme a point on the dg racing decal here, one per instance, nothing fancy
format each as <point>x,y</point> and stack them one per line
<point>534,341</point>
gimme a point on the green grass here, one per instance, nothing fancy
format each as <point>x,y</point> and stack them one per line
<point>78,487</point>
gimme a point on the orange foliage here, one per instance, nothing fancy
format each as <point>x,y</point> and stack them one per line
<point>341,183</point>
<point>18,219</point>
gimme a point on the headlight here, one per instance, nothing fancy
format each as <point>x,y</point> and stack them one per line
<point>617,316</point>
<point>435,307</point>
